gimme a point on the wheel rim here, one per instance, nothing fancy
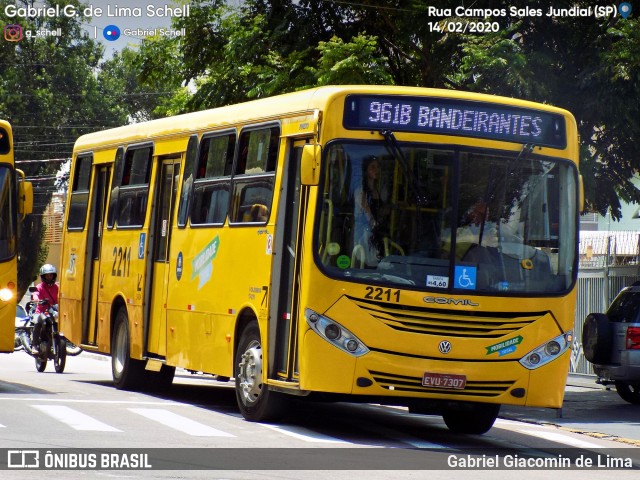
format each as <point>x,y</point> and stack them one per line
<point>250,373</point>
<point>120,346</point>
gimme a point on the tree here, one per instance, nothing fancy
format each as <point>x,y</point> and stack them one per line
<point>49,93</point>
<point>158,95</point>
<point>591,68</point>
<point>588,64</point>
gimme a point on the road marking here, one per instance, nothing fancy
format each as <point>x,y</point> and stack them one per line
<point>561,438</point>
<point>303,434</point>
<point>541,432</point>
<point>111,402</point>
<point>75,419</point>
<point>178,422</point>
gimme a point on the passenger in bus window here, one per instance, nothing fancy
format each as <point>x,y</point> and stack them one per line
<point>369,212</point>
<point>257,213</point>
<point>475,228</point>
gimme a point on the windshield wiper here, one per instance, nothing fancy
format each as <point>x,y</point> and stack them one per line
<point>391,144</point>
<point>490,192</point>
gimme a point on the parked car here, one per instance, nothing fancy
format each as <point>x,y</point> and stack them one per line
<point>611,342</point>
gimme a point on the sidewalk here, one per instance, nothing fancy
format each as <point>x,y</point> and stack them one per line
<point>588,408</point>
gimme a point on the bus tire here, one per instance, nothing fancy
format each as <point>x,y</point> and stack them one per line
<point>256,402</point>
<point>128,373</point>
<point>596,338</point>
<point>475,419</point>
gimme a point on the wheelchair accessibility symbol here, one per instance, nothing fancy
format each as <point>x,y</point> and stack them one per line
<point>465,277</point>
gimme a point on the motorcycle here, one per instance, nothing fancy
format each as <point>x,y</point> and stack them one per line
<point>24,327</point>
<point>52,345</point>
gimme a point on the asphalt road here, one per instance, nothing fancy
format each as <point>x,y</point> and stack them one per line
<point>588,408</point>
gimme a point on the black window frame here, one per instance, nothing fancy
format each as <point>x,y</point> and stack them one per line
<point>203,186</point>
<point>79,198</point>
<point>138,193</point>
<point>258,210</point>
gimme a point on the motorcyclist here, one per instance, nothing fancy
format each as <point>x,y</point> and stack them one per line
<point>47,289</point>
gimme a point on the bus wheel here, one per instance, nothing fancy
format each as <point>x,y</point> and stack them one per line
<point>128,373</point>
<point>476,418</point>
<point>256,402</point>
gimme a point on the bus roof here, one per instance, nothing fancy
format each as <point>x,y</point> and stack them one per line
<point>273,107</point>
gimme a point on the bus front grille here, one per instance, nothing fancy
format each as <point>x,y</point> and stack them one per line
<point>406,384</point>
<point>450,322</point>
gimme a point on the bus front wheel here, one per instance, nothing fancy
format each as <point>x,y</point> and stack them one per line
<point>128,373</point>
<point>256,402</point>
<point>475,418</point>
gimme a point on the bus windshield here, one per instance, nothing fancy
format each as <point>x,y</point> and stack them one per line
<point>431,217</point>
<point>7,217</point>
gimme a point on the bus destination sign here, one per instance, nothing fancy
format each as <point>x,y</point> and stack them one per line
<point>454,117</point>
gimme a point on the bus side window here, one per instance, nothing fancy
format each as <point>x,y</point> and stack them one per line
<point>187,184</point>
<point>80,193</point>
<point>254,202</point>
<point>254,175</point>
<point>118,167</point>
<point>134,188</point>
<point>212,183</point>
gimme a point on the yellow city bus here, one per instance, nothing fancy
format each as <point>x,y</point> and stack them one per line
<point>257,241</point>
<point>16,200</point>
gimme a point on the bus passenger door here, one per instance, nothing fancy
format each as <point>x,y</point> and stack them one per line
<point>158,262</point>
<point>90,323</point>
<point>283,358</point>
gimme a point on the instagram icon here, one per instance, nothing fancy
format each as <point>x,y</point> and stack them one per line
<point>13,33</point>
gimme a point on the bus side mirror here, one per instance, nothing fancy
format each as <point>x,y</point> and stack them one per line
<point>25,196</point>
<point>581,194</point>
<point>310,164</point>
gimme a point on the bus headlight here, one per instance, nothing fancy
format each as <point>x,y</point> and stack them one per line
<point>335,334</point>
<point>6,294</point>
<point>547,352</point>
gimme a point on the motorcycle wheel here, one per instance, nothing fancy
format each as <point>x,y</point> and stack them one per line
<point>41,358</point>
<point>60,357</point>
<point>73,349</point>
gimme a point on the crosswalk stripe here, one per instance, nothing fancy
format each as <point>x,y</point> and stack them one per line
<point>561,438</point>
<point>75,419</point>
<point>303,434</point>
<point>178,422</point>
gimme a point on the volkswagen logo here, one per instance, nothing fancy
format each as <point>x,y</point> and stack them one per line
<point>444,346</point>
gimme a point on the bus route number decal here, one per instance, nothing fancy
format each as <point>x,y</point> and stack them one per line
<point>121,262</point>
<point>379,293</point>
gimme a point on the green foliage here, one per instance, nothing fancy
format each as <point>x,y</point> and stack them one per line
<point>147,76</point>
<point>49,93</point>
<point>587,65</point>
<point>356,62</point>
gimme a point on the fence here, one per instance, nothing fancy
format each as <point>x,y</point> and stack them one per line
<point>608,263</point>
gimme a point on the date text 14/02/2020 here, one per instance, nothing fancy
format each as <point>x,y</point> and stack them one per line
<point>464,27</point>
